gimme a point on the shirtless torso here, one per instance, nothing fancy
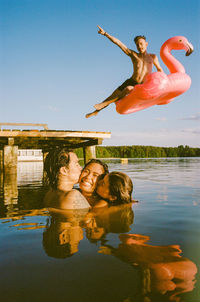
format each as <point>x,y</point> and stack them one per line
<point>142,65</point>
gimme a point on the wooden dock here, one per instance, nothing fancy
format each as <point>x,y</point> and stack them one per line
<point>12,140</point>
<point>47,139</point>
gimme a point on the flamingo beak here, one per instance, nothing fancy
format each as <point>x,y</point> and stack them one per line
<point>190,49</point>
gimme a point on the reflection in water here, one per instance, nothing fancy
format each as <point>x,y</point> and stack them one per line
<point>63,233</point>
<point>65,228</point>
<point>23,190</point>
<point>10,191</point>
<point>118,267</point>
<point>164,271</point>
<point>116,219</point>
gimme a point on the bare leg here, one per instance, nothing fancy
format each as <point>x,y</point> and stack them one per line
<point>115,96</point>
<point>92,113</point>
<point>111,99</point>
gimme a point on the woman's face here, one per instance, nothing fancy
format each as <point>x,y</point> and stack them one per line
<point>89,176</point>
<point>103,188</point>
<point>74,169</point>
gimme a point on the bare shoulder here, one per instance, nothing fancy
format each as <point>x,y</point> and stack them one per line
<point>153,56</point>
<point>51,198</point>
<point>133,54</point>
<point>74,193</point>
<point>74,200</point>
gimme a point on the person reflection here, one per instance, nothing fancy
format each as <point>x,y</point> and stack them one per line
<point>165,272</point>
<point>116,219</point>
<point>63,232</point>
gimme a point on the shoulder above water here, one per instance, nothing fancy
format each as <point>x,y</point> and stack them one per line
<point>74,200</point>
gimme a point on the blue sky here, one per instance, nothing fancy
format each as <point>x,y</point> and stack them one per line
<point>55,66</point>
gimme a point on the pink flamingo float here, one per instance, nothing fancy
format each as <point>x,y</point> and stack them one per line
<point>160,88</point>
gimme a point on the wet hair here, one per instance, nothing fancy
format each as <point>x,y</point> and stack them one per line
<point>97,161</point>
<point>120,186</point>
<point>139,37</point>
<point>55,160</point>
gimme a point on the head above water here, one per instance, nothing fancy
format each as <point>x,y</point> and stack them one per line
<point>97,161</point>
<point>116,187</point>
<point>61,161</point>
<point>90,175</point>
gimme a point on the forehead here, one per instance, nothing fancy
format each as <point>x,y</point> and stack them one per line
<point>95,167</point>
<point>140,40</point>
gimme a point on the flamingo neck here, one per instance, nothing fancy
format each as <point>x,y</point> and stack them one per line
<point>172,64</point>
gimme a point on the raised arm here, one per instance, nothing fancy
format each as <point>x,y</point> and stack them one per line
<point>156,63</point>
<point>115,41</point>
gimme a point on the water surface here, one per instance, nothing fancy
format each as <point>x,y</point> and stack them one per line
<point>115,256</point>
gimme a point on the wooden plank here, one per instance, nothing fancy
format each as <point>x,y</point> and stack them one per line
<point>45,126</point>
<point>54,133</point>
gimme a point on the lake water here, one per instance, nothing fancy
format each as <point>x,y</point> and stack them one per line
<point>146,253</point>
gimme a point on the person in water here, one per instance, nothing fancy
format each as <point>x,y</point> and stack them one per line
<point>90,175</point>
<point>142,63</point>
<point>101,188</point>
<point>115,189</point>
<point>63,171</point>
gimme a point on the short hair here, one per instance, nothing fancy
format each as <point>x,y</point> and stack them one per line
<point>120,186</point>
<point>97,161</point>
<point>139,37</point>
<point>55,160</point>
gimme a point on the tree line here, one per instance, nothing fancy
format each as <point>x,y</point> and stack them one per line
<point>142,151</point>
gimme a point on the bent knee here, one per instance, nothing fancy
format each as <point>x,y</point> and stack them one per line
<point>128,89</point>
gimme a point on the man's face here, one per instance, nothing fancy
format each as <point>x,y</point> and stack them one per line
<point>141,45</point>
<point>74,168</point>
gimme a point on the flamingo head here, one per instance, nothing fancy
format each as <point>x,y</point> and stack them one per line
<point>180,42</point>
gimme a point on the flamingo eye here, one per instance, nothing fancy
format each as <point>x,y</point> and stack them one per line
<point>180,40</point>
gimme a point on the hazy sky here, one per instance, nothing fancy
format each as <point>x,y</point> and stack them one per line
<point>55,66</point>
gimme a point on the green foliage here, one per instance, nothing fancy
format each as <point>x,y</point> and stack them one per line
<point>79,152</point>
<point>145,151</point>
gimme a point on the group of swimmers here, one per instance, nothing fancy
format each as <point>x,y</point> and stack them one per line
<point>97,187</point>
<point>161,266</point>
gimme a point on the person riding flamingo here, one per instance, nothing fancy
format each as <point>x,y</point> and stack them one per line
<point>142,64</point>
<point>145,89</point>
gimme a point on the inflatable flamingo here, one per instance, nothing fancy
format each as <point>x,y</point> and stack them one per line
<point>159,88</point>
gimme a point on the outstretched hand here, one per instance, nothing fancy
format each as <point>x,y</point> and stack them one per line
<point>101,31</point>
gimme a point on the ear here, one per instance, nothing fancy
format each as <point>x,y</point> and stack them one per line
<point>63,171</point>
<point>147,44</point>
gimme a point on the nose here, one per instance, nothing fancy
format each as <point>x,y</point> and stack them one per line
<point>89,176</point>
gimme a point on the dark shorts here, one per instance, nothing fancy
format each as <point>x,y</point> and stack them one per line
<point>129,82</point>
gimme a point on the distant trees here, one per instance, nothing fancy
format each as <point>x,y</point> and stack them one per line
<point>146,151</point>
<point>142,151</point>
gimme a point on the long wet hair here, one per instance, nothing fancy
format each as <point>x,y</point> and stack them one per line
<point>55,160</point>
<point>120,186</point>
